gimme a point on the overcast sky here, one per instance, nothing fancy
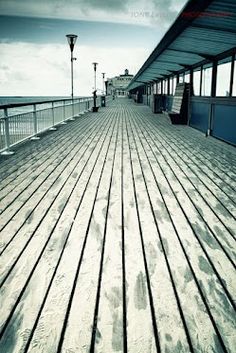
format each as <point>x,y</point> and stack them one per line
<point>35,56</point>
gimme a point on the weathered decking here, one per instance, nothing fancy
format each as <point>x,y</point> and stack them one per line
<point>118,235</point>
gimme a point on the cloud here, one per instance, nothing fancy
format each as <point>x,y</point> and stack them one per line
<point>100,10</point>
<point>108,5</point>
<point>33,64</point>
<point>39,69</point>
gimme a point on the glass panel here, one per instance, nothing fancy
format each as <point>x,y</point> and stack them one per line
<point>187,77</point>
<point>163,86</point>
<point>171,85</point>
<point>166,87</point>
<point>223,78</point>
<point>174,84</point>
<point>181,78</point>
<point>206,81</point>
<point>196,82</point>
<point>234,80</point>
<point>154,88</point>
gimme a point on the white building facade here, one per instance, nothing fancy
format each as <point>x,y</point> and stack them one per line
<point>117,85</point>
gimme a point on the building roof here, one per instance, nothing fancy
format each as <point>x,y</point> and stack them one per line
<point>202,30</point>
<point>128,75</point>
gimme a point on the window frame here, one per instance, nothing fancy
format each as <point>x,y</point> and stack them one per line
<point>219,63</point>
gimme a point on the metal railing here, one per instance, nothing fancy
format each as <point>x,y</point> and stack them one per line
<point>44,115</point>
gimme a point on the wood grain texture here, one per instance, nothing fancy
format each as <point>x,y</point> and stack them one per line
<point>118,235</point>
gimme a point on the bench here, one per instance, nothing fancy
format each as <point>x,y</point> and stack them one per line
<point>179,109</point>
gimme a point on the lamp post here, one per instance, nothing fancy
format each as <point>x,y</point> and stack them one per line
<point>103,83</point>
<point>71,41</point>
<point>95,90</point>
<point>95,70</point>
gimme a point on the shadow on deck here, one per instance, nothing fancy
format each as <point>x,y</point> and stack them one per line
<point>118,234</point>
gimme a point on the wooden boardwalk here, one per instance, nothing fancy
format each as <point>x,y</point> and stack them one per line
<point>118,235</point>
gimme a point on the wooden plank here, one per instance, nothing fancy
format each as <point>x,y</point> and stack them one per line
<point>213,151</point>
<point>209,187</point>
<point>110,332</point>
<point>206,213</point>
<point>22,234</point>
<point>184,272</point>
<point>166,303</point>
<point>45,263</point>
<point>214,243</point>
<point>81,313</point>
<point>46,335</point>
<point>219,305</point>
<point>123,238</point>
<point>22,192</point>
<point>140,332</point>
<point>215,170</point>
<point>35,149</point>
<point>25,214</point>
<point>31,166</point>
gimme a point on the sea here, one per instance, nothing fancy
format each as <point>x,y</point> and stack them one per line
<point>27,99</point>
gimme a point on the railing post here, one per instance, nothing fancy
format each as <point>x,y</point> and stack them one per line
<point>64,110</point>
<point>82,105</point>
<point>35,120</point>
<point>53,128</point>
<point>73,111</point>
<point>35,137</point>
<point>64,114</point>
<point>7,134</point>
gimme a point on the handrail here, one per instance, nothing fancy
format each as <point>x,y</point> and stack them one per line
<point>18,127</point>
<point>15,105</point>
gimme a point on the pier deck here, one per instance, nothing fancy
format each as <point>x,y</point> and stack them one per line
<point>118,235</point>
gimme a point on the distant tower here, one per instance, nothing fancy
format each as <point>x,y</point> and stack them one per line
<point>126,71</point>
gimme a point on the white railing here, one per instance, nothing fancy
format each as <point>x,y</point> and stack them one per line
<point>15,128</point>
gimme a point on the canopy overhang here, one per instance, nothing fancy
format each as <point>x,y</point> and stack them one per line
<point>203,30</point>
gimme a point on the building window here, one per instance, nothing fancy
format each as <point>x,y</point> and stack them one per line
<point>234,80</point>
<point>174,84</point>
<point>187,77</point>
<point>223,77</point>
<point>181,78</point>
<point>196,82</point>
<point>155,88</point>
<point>171,85</point>
<point>159,87</point>
<point>206,80</point>
<point>165,86</point>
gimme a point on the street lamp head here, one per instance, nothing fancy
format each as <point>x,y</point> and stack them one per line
<point>95,66</point>
<point>103,74</point>
<point>71,40</point>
